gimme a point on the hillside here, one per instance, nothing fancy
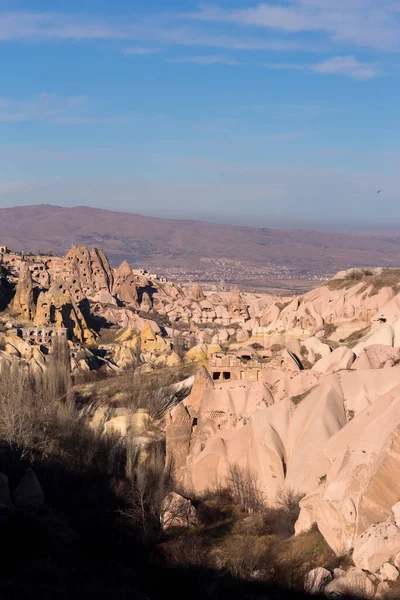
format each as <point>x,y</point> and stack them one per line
<point>193,246</point>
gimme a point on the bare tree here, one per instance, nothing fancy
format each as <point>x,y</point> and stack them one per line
<point>243,485</point>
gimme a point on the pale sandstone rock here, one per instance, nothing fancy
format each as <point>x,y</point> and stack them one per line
<point>242,336</point>
<point>237,307</point>
<point>323,505</point>
<point>358,490</point>
<point>388,572</point>
<point>150,342</point>
<point>24,301</point>
<point>57,308</point>
<point>341,358</point>
<point>125,285</point>
<point>316,580</point>
<point>377,357</point>
<point>383,336</point>
<point>197,293</point>
<point>354,582</point>
<point>177,512</point>
<point>197,353</point>
<point>173,360</point>
<point>396,513</point>
<point>18,346</point>
<point>376,546</point>
<point>314,347</point>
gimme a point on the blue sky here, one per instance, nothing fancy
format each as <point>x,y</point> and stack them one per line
<point>279,113</point>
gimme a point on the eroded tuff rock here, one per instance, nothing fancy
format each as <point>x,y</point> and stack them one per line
<point>24,301</point>
<point>358,488</point>
<point>177,512</point>
<point>125,285</point>
<point>293,441</point>
<point>56,307</point>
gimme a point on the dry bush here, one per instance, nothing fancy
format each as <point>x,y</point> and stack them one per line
<point>304,358</point>
<point>144,492</point>
<point>329,329</point>
<point>23,416</point>
<point>190,550</point>
<point>243,485</point>
<point>355,275</point>
<point>84,377</point>
<point>288,501</point>
<point>30,405</point>
<point>388,278</point>
<point>180,344</point>
<point>242,556</point>
<point>38,420</point>
<point>153,391</point>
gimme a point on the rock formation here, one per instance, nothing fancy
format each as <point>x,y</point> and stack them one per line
<point>24,301</point>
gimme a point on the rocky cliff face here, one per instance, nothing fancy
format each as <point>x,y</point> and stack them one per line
<point>24,301</point>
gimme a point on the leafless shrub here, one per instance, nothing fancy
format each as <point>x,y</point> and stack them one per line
<point>243,558</point>
<point>243,485</point>
<point>188,551</point>
<point>288,501</point>
<point>23,417</point>
<point>179,343</point>
<point>153,392</point>
<point>354,275</point>
<point>145,490</point>
<point>38,421</point>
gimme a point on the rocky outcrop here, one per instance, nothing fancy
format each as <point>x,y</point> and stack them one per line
<point>340,359</point>
<point>357,489</point>
<point>91,268</point>
<point>237,307</point>
<point>24,300</point>
<point>354,582</point>
<point>197,293</point>
<point>177,512</point>
<point>57,308</point>
<point>316,580</point>
<point>125,285</point>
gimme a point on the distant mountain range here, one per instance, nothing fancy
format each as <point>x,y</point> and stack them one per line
<point>166,244</point>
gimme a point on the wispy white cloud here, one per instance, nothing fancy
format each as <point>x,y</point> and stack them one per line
<point>347,65</point>
<point>370,23</point>
<point>337,65</point>
<point>142,51</point>
<point>205,60</point>
<point>41,26</point>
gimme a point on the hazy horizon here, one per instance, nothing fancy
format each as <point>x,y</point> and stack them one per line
<point>283,224</point>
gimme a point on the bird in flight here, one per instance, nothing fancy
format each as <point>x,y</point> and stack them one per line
<point>379,191</point>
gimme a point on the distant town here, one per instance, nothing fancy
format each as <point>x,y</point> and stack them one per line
<point>228,273</point>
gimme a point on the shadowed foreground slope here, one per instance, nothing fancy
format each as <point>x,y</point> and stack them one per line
<point>77,546</point>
